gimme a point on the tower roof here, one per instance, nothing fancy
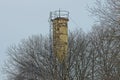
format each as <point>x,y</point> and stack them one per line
<point>59,14</point>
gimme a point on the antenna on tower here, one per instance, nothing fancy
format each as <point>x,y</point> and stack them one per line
<point>59,12</point>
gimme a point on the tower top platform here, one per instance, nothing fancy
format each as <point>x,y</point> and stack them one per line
<point>59,14</point>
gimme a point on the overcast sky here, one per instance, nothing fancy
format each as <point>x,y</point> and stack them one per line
<point>22,18</point>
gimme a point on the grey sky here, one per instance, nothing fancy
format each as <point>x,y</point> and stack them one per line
<point>22,18</point>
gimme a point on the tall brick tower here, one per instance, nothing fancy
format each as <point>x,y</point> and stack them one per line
<point>60,34</point>
<point>59,39</point>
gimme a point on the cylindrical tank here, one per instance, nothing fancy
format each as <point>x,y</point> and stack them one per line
<point>60,37</point>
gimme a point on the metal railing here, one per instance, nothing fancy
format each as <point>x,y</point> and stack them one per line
<point>59,14</point>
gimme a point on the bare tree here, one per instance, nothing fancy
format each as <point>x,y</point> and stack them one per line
<point>80,48</point>
<point>31,59</point>
<point>107,51</point>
